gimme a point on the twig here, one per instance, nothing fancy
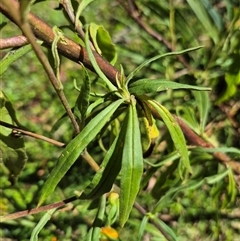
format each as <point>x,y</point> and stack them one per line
<point>32,134</point>
<point>85,154</point>
<point>144,213</point>
<point>87,157</point>
<point>36,210</point>
<point>13,42</point>
<point>69,10</point>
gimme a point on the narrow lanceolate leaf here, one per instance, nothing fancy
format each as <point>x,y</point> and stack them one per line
<point>58,36</point>
<point>46,217</point>
<point>102,42</point>
<point>203,104</point>
<point>75,147</point>
<point>13,56</point>
<point>104,178</point>
<point>82,103</point>
<point>203,16</point>
<point>175,132</point>
<point>145,63</point>
<point>82,5</point>
<point>167,229</point>
<point>144,86</point>
<point>12,149</point>
<point>95,65</point>
<point>132,165</point>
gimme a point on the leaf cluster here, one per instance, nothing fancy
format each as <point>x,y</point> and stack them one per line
<point>143,136</point>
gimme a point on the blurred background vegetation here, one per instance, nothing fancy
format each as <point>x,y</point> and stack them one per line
<point>205,213</point>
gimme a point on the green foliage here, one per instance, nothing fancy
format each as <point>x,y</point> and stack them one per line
<point>144,86</point>
<point>129,136</point>
<point>12,56</point>
<point>74,149</point>
<point>12,147</point>
<point>102,42</point>
<point>46,217</point>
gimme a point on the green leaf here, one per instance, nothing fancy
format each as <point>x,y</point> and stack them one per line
<point>75,147</point>
<point>188,115</point>
<point>233,81</point>
<point>82,102</point>
<point>58,36</point>
<point>166,229</point>
<point>232,187</point>
<point>164,181</point>
<point>145,125</point>
<point>62,120</point>
<point>204,18</point>
<point>103,42</point>
<point>45,218</point>
<point>176,134</point>
<point>214,14</point>
<point>203,104</point>
<point>95,65</point>
<point>142,227</point>
<point>216,178</point>
<point>12,148</point>
<point>12,56</point>
<point>94,232</point>
<point>166,199</point>
<point>10,110</point>
<point>104,178</point>
<point>82,5</point>
<point>3,21</point>
<point>13,154</point>
<point>130,76</point>
<point>218,149</point>
<point>144,86</point>
<point>132,164</point>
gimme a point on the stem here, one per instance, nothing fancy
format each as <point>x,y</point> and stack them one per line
<point>88,158</point>
<point>69,10</point>
<point>32,134</point>
<point>36,210</point>
<point>85,154</point>
<point>13,42</point>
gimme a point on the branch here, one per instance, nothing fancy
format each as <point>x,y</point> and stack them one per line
<point>37,210</point>
<point>70,13</point>
<point>32,134</point>
<point>13,42</point>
